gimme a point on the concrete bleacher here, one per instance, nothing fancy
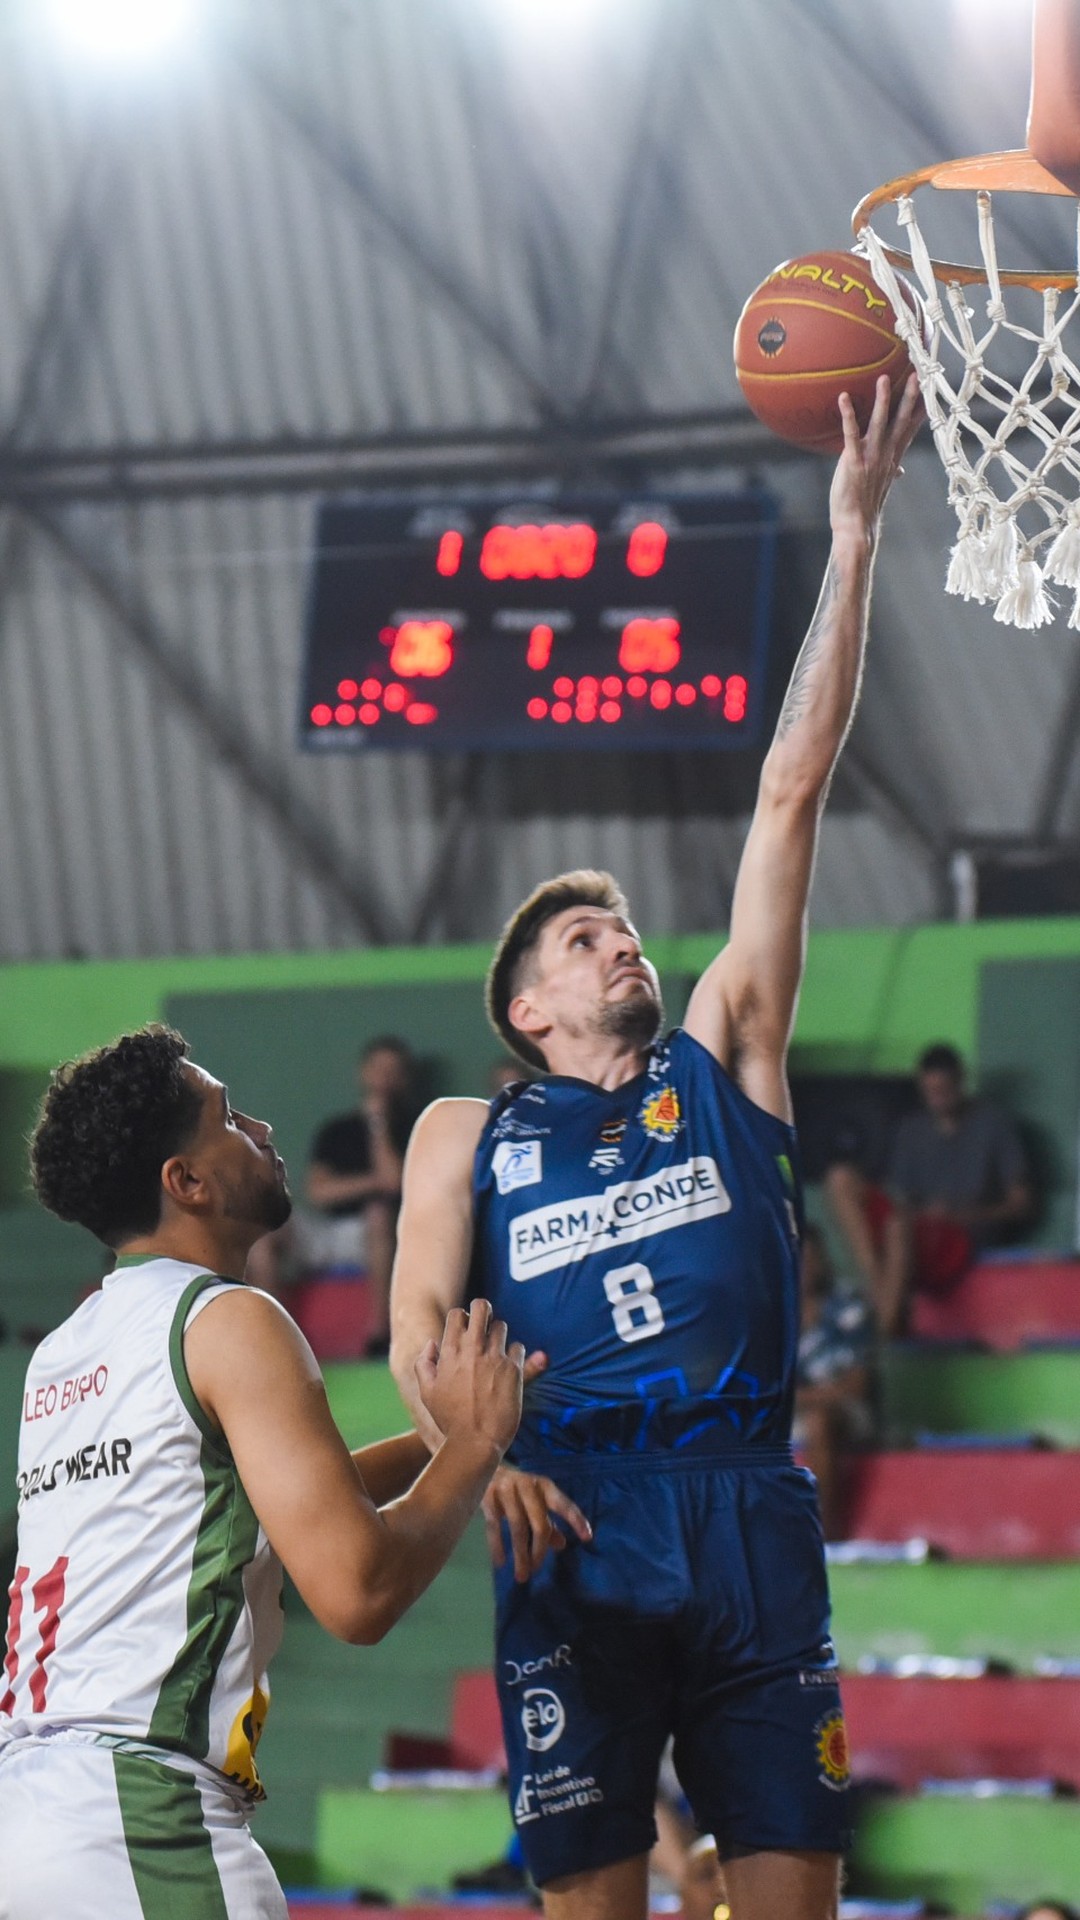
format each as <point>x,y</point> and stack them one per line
<point>1006,1302</point>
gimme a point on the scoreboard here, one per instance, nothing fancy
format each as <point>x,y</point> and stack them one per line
<point>586,620</point>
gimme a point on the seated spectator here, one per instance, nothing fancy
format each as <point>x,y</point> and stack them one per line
<point>958,1181</point>
<point>1048,1910</point>
<point>352,1188</point>
<point>835,1379</point>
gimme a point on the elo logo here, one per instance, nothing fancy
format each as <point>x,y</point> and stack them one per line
<point>543,1718</point>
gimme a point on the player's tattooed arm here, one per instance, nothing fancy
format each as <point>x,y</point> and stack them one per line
<point>743,1008</point>
<point>799,698</point>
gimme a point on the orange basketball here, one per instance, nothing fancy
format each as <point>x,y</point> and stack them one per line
<point>818,327</point>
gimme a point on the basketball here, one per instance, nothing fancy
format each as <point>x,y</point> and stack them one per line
<point>818,327</point>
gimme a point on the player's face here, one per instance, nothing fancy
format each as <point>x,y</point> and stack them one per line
<point>592,979</point>
<point>236,1156</point>
<point>942,1092</point>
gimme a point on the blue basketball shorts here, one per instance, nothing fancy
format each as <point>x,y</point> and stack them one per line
<point>700,1610</point>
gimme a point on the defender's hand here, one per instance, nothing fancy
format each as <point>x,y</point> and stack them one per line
<point>529,1503</point>
<point>870,463</point>
<point>470,1384</point>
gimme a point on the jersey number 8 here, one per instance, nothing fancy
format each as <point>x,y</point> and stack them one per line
<point>635,1309</point>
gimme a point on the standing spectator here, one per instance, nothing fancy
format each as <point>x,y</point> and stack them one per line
<point>958,1181</point>
<point>353,1188</point>
<point>834,1393</point>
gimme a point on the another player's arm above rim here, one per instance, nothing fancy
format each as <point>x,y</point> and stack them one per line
<point>431,1275</point>
<point>743,1007</point>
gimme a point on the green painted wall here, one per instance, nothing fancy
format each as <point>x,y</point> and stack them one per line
<point>871,998</point>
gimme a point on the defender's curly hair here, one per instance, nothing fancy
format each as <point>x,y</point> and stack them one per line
<point>585,887</point>
<point>107,1124</point>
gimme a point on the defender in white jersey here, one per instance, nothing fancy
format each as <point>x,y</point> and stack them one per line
<point>175,1449</point>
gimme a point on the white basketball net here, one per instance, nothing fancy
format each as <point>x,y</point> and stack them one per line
<point>1019,516</point>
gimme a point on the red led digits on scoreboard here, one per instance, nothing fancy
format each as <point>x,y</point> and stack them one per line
<point>650,646</point>
<point>538,654</point>
<point>422,647</point>
<point>448,558</point>
<point>553,552</point>
<point>647,549</point>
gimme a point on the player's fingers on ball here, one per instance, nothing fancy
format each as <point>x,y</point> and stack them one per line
<point>848,421</point>
<point>882,400</point>
<point>561,1503</point>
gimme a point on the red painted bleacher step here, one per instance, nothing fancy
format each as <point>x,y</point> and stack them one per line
<point>476,1740</point>
<point>334,1313</point>
<point>1004,1304</point>
<point>1006,1728</point>
<point>984,1504</point>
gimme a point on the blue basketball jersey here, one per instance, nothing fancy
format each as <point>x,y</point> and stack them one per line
<point>647,1240</point>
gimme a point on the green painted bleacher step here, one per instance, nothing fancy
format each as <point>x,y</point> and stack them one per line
<point>970,1609</point>
<point>965,1853</point>
<point>405,1842</point>
<point>948,1392</point>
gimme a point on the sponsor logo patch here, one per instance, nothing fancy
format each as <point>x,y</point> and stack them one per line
<point>606,1156</point>
<point>569,1230</point>
<point>516,1163</point>
<point>661,1114</point>
<point>833,1759</point>
<point>556,1791</point>
<point>543,1718</point>
<point>518,1670</point>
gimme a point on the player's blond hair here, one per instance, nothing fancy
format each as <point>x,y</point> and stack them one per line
<point>509,968</point>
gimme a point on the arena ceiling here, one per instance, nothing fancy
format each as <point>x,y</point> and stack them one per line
<point>371,244</point>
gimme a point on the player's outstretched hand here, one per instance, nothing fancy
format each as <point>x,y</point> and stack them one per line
<point>470,1384</point>
<point>870,462</point>
<point>531,1506</point>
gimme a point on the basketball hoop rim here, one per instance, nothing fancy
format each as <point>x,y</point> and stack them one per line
<point>1014,171</point>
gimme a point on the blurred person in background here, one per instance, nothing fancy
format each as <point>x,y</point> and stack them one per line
<point>835,1379</point>
<point>352,1189</point>
<point>1049,1910</point>
<point>958,1181</point>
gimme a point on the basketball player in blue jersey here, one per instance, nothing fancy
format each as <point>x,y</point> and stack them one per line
<point>635,1218</point>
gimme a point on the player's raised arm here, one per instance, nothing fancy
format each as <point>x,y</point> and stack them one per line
<point>743,1008</point>
<point>358,1566</point>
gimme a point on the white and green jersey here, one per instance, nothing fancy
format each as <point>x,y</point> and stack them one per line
<point>146,1602</point>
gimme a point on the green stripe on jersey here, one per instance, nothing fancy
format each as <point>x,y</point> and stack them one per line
<point>168,1847</point>
<point>224,1545</point>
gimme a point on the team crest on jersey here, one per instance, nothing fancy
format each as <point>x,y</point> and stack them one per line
<point>606,1155</point>
<point>832,1752</point>
<point>243,1740</point>
<point>517,1163</point>
<point>661,1114</point>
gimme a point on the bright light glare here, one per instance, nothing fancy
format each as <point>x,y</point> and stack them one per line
<point>552,15</point>
<point>121,31</point>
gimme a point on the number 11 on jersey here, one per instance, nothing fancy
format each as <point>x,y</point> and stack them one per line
<point>635,1309</point>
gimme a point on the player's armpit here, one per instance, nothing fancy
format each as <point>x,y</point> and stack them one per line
<point>530,1506</point>
<point>434,1239</point>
